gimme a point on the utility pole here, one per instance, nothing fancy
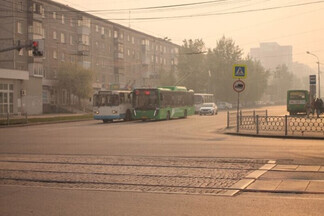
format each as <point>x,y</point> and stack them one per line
<point>319,73</point>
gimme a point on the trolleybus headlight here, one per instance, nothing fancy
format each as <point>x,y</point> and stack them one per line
<point>114,112</point>
<point>96,112</point>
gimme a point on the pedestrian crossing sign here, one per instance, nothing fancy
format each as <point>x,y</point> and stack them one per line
<point>239,71</point>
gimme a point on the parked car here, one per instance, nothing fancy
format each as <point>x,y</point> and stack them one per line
<point>224,105</point>
<point>208,109</point>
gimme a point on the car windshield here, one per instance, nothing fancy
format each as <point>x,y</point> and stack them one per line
<point>207,105</point>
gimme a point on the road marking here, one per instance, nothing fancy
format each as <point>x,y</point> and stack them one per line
<point>256,174</point>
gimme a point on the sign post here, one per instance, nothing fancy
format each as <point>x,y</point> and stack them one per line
<point>312,86</point>
<point>239,72</point>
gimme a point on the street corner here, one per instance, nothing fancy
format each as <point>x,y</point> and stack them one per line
<point>298,179</point>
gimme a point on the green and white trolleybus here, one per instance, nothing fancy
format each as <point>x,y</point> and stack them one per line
<point>112,104</point>
<point>162,103</point>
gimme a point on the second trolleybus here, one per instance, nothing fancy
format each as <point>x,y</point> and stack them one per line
<point>162,103</point>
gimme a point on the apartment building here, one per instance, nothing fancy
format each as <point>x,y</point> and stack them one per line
<point>118,56</point>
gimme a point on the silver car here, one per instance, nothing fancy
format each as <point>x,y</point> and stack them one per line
<point>208,109</point>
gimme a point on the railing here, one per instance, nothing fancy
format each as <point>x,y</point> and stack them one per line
<point>234,117</point>
<point>277,125</point>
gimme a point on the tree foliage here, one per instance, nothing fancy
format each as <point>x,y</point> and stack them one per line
<point>75,79</point>
<point>212,72</point>
<point>192,71</point>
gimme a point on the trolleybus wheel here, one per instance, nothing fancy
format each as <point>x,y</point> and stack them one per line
<point>128,116</point>
<point>168,116</point>
<point>185,114</point>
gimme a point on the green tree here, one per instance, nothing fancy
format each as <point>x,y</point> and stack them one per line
<point>192,71</point>
<point>220,62</point>
<point>256,81</point>
<point>75,80</point>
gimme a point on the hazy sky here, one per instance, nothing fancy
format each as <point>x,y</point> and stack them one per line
<point>247,22</point>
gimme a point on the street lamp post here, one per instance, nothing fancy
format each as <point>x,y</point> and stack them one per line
<point>319,73</point>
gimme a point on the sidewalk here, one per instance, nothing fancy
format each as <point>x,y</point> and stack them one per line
<point>290,179</point>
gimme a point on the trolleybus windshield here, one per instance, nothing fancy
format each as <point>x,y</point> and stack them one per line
<point>145,99</point>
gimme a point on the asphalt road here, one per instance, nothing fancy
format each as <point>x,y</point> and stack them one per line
<point>176,167</point>
<point>196,136</point>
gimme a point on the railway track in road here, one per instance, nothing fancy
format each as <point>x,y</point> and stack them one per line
<point>185,175</point>
<point>127,173</point>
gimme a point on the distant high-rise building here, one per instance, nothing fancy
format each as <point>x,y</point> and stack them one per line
<point>272,54</point>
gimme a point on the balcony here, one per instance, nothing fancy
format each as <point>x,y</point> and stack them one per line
<point>145,60</point>
<point>119,55</point>
<point>37,16</point>
<point>83,30</point>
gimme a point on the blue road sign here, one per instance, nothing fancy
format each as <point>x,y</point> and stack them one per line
<point>239,71</point>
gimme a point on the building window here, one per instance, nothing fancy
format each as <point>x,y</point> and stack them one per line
<point>71,40</point>
<point>21,52</point>
<point>37,28</point>
<point>54,15</point>
<point>42,11</point>
<point>64,96</point>
<point>85,39</point>
<point>62,38</point>
<point>84,21</point>
<point>121,36</point>
<point>102,30</point>
<point>6,98</point>
<point>115,34</point>
<point>54,54</point>
<point>37,70</point>
<point>54,35</point>
<point>63,20</point>
<point>71,22</point>
<point>109,33</point>
<point>19,27</point>
<point>62,57</point>
<point>97,28</point>
<point>45,97</point>
<point>20,6</point>
<point>133,40</point>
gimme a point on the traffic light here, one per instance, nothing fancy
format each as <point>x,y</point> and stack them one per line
<point>38,47</point>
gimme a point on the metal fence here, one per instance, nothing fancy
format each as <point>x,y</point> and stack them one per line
<point>234,117</point>
<point>278,125</point>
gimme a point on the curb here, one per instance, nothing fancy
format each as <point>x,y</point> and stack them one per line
<point>43,123</point>
<point>274,136</point>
